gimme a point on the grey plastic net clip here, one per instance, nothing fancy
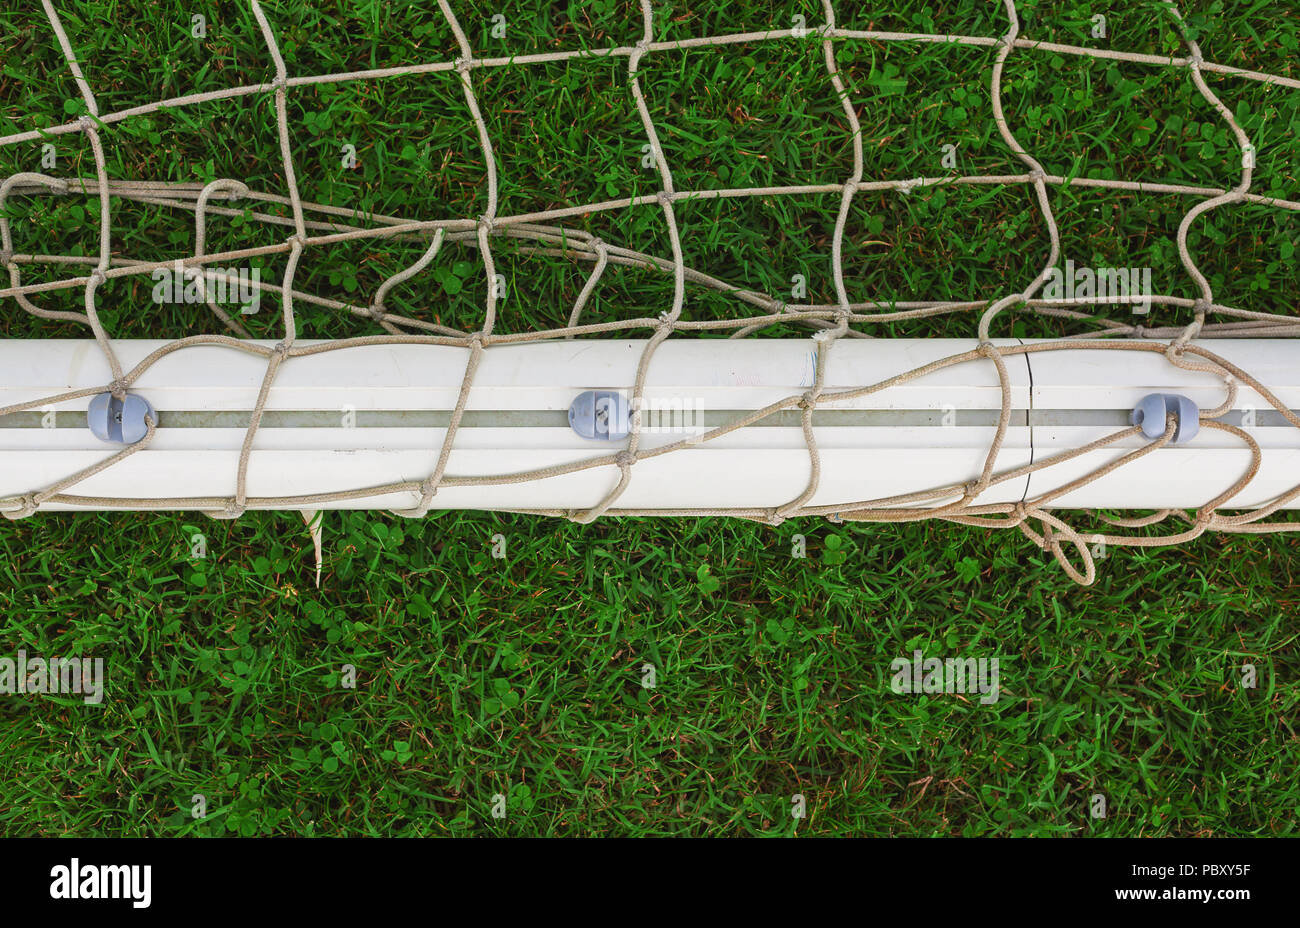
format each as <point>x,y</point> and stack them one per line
<point>600,415</point>
<point>121,421</point>
<point>1151,413</point>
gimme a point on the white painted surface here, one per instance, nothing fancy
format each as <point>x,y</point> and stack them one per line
<point>756,467</point>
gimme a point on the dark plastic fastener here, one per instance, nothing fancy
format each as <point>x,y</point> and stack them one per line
<point>600,415</point>
<point>121,421</point>
<point>1151,413</point>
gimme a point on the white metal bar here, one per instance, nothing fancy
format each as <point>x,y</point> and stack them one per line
<point>933,431</point>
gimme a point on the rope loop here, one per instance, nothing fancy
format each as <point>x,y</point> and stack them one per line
<point>27,507</point>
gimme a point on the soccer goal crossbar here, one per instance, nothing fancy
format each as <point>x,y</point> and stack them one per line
<point>720,425</point>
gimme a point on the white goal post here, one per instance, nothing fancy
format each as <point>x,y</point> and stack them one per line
<point>373,415</point>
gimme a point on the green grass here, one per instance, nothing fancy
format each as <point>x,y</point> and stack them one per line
<point>478,676</point>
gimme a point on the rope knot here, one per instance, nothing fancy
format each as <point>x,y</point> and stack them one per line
<point>281,350</point>
<point>280,82</point>
<point>486,224</point>
<point>665,322</point>
<point>971,490</point>
<point>376,310</point>
<point>625,459</point>
<point>905,186</point>
<point>86,124</point>
<point>987,350</point>
<point>97,277</point>
<point>808,401</point>
<point>1202,305</point>
<point>1196,59</point>
<point>1037,174</point>
<point>477,342</point>
<point>118,388</point>
<point>233,509</point>
<point>774,518</point>
<point>6,257</point>
<point>665,197</point>
<point>1139,332</point>
<point>296,239</point>
<point>26,507</point>
<point>464,64</point>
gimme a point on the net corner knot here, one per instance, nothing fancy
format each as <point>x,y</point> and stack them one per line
<point>27,507</point>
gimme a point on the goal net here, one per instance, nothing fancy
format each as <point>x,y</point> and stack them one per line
<point>334,313</point>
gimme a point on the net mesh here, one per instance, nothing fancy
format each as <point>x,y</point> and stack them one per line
<point>317,226</point>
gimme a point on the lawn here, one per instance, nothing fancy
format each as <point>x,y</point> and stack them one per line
<point>648,676</point>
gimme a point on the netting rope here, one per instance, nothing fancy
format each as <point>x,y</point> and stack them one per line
<point>953,503</point>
